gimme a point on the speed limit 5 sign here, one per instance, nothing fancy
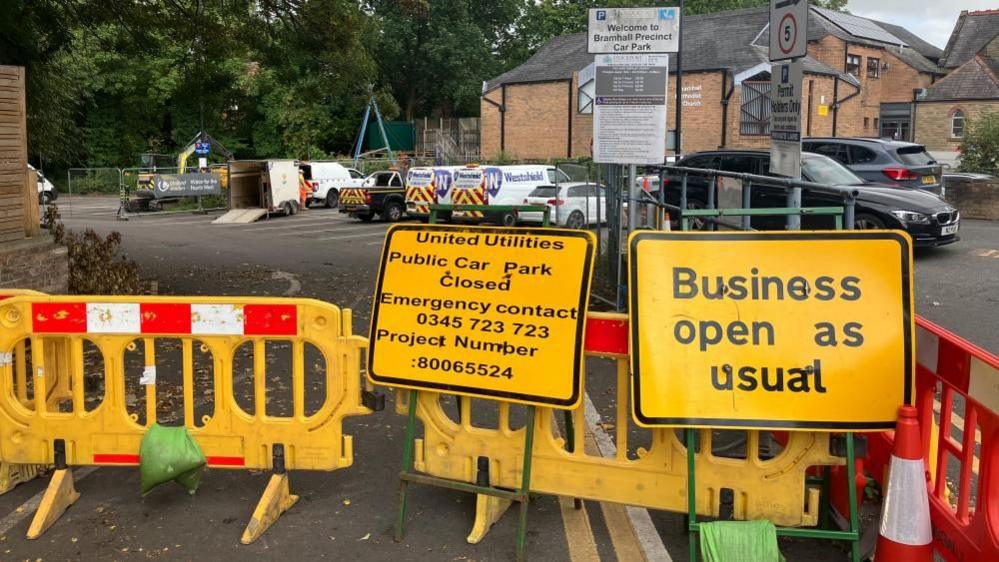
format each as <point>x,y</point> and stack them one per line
<point>788,29</point>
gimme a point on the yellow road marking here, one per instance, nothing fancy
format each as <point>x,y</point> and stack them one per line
<point>622,533</point>
<point>578,532</point>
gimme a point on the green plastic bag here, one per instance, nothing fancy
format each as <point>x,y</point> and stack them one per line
<point>739,541</point>
<point>170,454</point>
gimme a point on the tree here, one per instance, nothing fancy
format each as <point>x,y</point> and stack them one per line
<point>434,54</point>
<point>980,147</point>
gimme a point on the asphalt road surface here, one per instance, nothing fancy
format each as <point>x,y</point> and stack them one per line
<point>348,514</point>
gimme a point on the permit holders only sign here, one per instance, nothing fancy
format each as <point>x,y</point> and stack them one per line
<point>779,330</point>
<point>785,119</point>
<point>485,312</point>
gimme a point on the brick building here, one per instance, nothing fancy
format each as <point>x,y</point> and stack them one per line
<point>28,257</point>
<point>970,89</point>
<point>860,79</point>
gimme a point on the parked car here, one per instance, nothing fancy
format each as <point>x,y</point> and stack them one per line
<point>47,192</point>
<point>328,178</point>
<point>930,220</point>
<point>382,194</point>
<point>882,160</point>
<point>574,205</point>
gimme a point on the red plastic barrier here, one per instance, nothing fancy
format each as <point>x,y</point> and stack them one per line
<point>968,530</point>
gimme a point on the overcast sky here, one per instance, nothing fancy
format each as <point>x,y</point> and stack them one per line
<point>931,19</point>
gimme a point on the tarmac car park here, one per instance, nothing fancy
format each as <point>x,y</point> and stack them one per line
<point>930,220</point>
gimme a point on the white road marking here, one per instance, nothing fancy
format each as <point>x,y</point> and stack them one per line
<point>341,229</point>
<point>349,237</point>
<point>31,505</point>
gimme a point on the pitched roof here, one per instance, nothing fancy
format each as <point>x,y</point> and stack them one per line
<point>702,50</point>
<point>931,52</point>
<point>736,40</point>
<point>976,79</point>
<point>972,32</point>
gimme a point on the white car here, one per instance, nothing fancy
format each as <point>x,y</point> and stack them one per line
<point>327,179</point>
<point>46,191</point>
<point>577,205</point>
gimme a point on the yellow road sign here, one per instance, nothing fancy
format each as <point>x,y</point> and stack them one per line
<point>488,312</point>
<point>790,330</point>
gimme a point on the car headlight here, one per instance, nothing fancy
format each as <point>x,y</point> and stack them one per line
<point>908,217</point>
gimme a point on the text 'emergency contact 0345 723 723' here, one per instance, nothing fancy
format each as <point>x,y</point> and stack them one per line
<point>487,312</point>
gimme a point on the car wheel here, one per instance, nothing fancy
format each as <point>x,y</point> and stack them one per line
<point>288,209</point>
<point>576,221</point>
<point>864,221</point>
<point>508,219</point>
<point>332,199</point>
<point>45,197</point>
<point>392,212</point>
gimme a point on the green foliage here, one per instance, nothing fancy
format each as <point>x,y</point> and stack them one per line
<point>96,265</point>
<point>110,79</point>
<point>980,147</point>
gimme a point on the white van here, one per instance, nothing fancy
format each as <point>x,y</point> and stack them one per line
<point>46,191</point>
<point>327,179</point>
<point>504,185</point>
<point>427,186</point>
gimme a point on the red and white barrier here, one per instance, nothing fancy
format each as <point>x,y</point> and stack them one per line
<point>962,454</point>
<point>197,319</point>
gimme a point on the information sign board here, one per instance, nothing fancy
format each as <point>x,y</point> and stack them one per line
<point>633,30</point>
<point>777,330</point>
<point>486,312</point>
<point>629,113</point>
<point>788,29</point>
<point>785,119</point>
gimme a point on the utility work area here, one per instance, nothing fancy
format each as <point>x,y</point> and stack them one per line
<point>506,280</point>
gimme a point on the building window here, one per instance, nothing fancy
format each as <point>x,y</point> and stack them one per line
<point>957,124</point>
<point>867,123</point>
<point>754,119</point>
<point>853,64</point>
<point>873,67</point>
<point>876,124</point>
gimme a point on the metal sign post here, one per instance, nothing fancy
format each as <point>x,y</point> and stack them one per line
<point>788,42</point>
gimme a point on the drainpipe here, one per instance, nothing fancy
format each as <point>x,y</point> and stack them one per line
<point>502,110</point>
<point>726,96</point>
<point>568,151</point>
<point>837,102</point>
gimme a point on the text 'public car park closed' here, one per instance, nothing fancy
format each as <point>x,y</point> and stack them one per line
<point>479,311</point>
<point>788,330</point>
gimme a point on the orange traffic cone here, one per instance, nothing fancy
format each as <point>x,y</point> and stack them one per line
<point>906,534</point>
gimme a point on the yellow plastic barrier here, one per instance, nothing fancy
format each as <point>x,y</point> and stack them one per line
<point>773,488</point>
<point>13,474</point>
<point>56,339</point>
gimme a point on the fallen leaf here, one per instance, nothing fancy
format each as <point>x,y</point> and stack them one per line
<point>365,537</point>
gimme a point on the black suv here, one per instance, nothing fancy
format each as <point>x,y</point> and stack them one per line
<point>882,160</point>
<point>926,217</point>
